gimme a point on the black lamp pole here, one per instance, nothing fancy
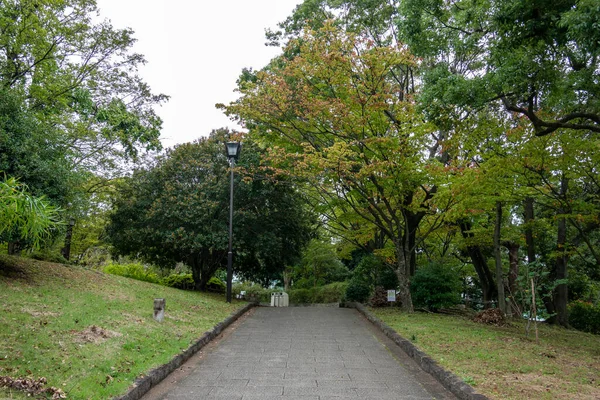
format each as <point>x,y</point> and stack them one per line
<point>233,152</point>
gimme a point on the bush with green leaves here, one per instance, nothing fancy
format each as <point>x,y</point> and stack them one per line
<point>179,281</point>
<point>49,255</point>
<point>253,291</point>
<point>300,296</point>
<point>435,286</point>
<point>358,290</point>
<point>585,316</point>
<point>216,285</point>
<point>332,293</point>
<point>134,271</point>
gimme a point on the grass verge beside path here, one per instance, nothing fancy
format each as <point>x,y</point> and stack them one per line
<point>89,333</point>
<point>501,362</point>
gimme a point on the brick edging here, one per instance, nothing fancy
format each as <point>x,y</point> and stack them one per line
<point>450,381</point>
<point>143,384</point>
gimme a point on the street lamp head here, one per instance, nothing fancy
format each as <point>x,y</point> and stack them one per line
<point>233,149</point>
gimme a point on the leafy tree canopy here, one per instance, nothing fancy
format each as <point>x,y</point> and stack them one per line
<point>538,58</point>
<point>178,210</point>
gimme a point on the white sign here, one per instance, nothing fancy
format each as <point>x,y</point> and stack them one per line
<point>391,295</point>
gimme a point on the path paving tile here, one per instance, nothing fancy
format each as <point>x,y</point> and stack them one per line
<point>305,353</point>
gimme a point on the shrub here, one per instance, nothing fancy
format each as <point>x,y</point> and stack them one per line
<point>214,284</point>
<point>134,271</point>
<point>179,281</point>
<point>49,256</point>
<point>253,291</point>
<point>386,278</point>
<point>332,293</point>
<point>584,316</point>
<point>300,296</point>
<point>435,286</point>
<point>358,290</point>
<point>379,298</point>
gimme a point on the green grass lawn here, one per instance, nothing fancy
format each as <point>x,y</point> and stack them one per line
<point>47,312</point>
<point>501,362</point>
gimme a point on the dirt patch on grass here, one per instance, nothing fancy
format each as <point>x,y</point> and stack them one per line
<point>94,334</point>
<point>538,386</point>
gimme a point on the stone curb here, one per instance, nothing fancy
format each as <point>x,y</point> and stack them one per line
<point>450,381</point>
<point>143,384</point>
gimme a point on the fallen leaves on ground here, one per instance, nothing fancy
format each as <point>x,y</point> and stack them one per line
<point>492,316</point>
<point>31,386</point>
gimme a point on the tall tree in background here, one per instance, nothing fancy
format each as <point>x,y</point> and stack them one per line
<point>538,59</point>
<point>340,117</point>
<point>178,211</point>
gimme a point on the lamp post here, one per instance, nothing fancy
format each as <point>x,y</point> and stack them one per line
<point>233,150</point>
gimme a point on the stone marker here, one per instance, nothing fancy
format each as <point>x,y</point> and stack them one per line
<point>159,309</point>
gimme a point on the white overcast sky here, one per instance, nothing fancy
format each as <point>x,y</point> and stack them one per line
<point>196,50</point>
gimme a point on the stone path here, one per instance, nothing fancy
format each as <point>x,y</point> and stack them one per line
<point>306,353</point>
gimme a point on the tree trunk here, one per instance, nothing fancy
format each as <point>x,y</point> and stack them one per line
<point>561,295</point>
<point>66,250</point>
<point>498,258</point>
<point>14,248</point>
<point>202,271</point>
<point>528,214</point>
<point>287,278</point>
<point>513,274</point>
<point>412,224</point>
<point>486,278</point>
<point>403,274</point>
<point>531,257</point>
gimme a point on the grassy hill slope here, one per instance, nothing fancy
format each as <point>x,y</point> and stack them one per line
<point>501,361</point>
<point>89,333</point>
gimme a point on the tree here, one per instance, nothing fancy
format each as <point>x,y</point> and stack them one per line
<point>338,115</point>
<point>319,266</point>
<point>177,211</point>
<point>538,58</point>
<point>72,104</point>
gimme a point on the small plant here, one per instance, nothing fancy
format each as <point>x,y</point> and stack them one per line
<point>469,380</point>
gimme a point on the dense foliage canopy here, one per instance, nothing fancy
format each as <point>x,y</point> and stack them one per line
<point>178,210</point>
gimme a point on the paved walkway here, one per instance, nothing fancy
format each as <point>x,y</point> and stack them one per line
<point>306,353</point>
